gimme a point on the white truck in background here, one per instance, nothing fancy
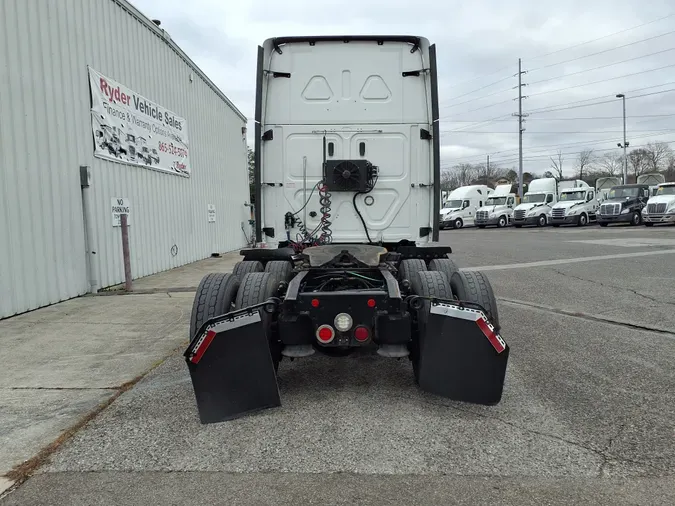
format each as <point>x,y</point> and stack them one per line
<point>653,179</point>
<point>576,205</point>
<point>660,207</point>
<point>498,208</point>
<point>462,204</point>
<point>535,206</point>
<point>604,184</point>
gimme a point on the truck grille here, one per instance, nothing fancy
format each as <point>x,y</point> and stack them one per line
<point>610,209</point>
<point>558,213</point>
<point>656,208</point>
<point>482,215</point>
<point>519,214</point>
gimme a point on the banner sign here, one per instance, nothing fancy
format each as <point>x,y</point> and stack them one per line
<point>132,129</point>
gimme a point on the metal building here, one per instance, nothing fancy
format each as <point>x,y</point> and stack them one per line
<point>93,86</point>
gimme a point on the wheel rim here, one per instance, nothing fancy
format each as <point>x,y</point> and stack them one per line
<point>636,218</point>
<point>502,222</point>
<point>582,219</point>
<point>458,223</point>
<point>542,221</point>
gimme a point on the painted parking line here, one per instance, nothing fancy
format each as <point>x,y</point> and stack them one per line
<point>563,261</point>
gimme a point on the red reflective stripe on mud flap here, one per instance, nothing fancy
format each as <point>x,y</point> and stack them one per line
<point>199,352</point>
<point>497,343</point>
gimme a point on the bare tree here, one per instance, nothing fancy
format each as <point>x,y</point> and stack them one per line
<point>638,159</point>
<point>657,154</point>
<point>585,161</point>
<point>557,165</point>
<point>611,165</point>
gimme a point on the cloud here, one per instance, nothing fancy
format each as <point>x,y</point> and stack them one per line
<point>478,44</point>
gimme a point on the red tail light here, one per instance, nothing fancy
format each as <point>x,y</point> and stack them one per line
<point>371,303</point>
<point>315,302</point>
<point>361,334</point>
<point>325,334</point>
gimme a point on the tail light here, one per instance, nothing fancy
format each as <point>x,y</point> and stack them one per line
<point>325,334</point>
<point>361,333</point>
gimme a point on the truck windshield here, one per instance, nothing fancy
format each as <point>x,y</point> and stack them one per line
<point>495,201</point>
<point>666,190</point>
<point>531,199</point>
<point>619,192</point>
<point>577,195</point>
<point>452,204</point>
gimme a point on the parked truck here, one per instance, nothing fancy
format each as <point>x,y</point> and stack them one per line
<point>661,207</point>
<point>462,204</point>
<point>624,204</point>
<point>576,205</point>
<point>497,209</point>
<point>364,271</point>
<point>604,184</point>
<point>535,206</point>
<point>653,179</point>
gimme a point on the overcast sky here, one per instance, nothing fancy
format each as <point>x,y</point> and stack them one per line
<point>474,39</point>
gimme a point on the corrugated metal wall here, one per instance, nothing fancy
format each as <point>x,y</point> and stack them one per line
<point>45,135</point>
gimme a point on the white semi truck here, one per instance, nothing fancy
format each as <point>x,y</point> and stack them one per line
<point>535,206</point>
<point>462,204</point>
<point>660,208</point>
<point>653,179</point>
<point>604,184</point>
<point>497,210</point>
<point>576,205</point>
<point>346,131</point>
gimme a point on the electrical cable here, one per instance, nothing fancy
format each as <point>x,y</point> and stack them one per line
<point>601,52</point>
<point>372,180</point>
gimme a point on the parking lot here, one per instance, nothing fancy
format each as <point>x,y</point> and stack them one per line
<point>588,413</point>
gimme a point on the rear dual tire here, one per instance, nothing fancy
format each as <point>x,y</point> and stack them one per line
<point>215,296</point>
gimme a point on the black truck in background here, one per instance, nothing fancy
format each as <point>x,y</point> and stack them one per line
<point>624,204</point>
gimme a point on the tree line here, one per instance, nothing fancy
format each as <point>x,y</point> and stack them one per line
<point>587,165</point>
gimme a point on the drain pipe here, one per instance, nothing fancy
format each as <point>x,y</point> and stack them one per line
<point>90,235</point>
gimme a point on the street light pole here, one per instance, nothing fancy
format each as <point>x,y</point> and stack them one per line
<point>625,144</point>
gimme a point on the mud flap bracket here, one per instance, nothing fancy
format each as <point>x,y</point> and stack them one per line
<point>461,355</point>
<point>231,366</point>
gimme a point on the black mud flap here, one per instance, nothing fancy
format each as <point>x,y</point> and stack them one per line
<point>462,357</point>
<point>231,367</point>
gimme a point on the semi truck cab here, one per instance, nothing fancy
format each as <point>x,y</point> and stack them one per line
<point>497,209</point>
<point>535,206</point>
<point>624,204</point>
<point>576,206</point>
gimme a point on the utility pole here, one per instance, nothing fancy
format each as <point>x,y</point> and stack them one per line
<point>625,144</point>
<point>487,169</point>
<point>521,129</point>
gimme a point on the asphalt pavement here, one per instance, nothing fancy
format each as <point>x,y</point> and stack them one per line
<point>587,416</point>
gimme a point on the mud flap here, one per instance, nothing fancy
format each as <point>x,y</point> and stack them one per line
<point>231,367</point>
<point>462,357</point>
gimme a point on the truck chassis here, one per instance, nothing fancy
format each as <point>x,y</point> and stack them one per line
<point>401,301</point>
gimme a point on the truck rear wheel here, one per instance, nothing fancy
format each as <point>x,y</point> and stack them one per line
<point>246,266</point>
<point>255,288</point>
<point>410,267</point>
<point>444,265</point>
<point>427,284</point>
<point>283,269</point>
<point>473,286</point>
<point>215,294</point>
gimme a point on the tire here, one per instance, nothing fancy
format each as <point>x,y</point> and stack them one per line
<point>542,221</point>
<point>444,265</point>
<point>242,268</point>
<point>427,284</point>
<point>458,223</point>
<point>636,219</point>
<point>409,269</point>
<point>650,224</point>
<point>604,224</point>
<point>473,286</point>
<point>215,294</point>
<point>257,287</point>
<point>283,269</point>
<point>502,222</point>
<point>583,220</point>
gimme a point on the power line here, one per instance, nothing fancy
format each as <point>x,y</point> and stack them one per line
<point>602,52</point>
<point>481,88</point>
<point>603,37</point>
<point>585,132</point>
<point>575,119</point>
<point>512,151</point>
<point>603,80</point>
<point>477,98</point>
<point>597,103</point>
<point>603,66</point>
